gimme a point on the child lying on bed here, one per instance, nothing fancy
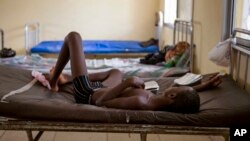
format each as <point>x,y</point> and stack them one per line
<point>109,90</point>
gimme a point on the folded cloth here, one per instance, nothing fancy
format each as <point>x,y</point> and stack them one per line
<point>41,78</point>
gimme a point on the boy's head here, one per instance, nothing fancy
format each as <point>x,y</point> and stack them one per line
<point>184,100</point>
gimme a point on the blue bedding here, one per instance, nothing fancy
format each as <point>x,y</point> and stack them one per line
<point>97,47</point>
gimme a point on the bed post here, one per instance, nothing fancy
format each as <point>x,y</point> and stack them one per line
<point>2,38</point>
<point>226,137</point>
<point>30,136</point>
<point>31,36</point>
<point>143,136</point>
<point>240,51</point>
<point>183,31</point>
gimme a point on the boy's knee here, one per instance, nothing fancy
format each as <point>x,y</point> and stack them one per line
<point>115,71</point>
<point>74,35</point>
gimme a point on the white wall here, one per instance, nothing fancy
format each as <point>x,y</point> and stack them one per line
<point>94,19</point>
<point>207,26</point>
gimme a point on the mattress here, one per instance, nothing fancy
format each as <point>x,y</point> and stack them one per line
<point>225,106</point>
<point>129,66</point>
<point>97,47</point>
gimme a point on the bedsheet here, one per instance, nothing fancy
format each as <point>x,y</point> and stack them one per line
<point>225,106</point>
<point>97,47</point>
<point>129,66</point>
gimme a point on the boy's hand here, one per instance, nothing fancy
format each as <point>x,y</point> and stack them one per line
<point>213,81</point>
<point>136,82</point>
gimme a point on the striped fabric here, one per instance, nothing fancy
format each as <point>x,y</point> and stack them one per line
<point>83,89</point>
<point>96,85</point>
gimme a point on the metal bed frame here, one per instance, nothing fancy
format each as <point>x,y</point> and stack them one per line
<point>2,38</point>
<point>237,52</point>
<point>31,33</point>
<point>142,129</point>
<point>183,31</point>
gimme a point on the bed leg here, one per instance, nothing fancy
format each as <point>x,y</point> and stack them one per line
<point>143,137</point>
<point>226,137</point>
<point>30,136</point>
<point>39,134</point>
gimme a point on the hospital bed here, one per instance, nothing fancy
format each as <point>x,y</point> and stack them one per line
<point>112,52</point>
<point>183,31</point>
<point>38,109</point>
<point>91,47</point>
<point>95,47</point>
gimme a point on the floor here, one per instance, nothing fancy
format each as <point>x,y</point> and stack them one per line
<point>77,136</point>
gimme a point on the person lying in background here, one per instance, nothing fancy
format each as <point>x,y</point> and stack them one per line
<point>108,89</point>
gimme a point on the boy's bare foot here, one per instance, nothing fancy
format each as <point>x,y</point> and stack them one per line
<point>54,85</point>
<point>62,79</point>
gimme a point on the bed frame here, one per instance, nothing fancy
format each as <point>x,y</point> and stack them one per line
<point>183,31</point>
<point>142,129</point>
<point>32,38</point>
<point>240,49</point>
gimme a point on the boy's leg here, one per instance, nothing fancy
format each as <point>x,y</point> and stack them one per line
<point>77,58</point>
<point>71,49</point>
<point>108,78</point>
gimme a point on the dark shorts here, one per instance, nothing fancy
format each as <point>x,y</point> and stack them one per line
<point>84,89</point>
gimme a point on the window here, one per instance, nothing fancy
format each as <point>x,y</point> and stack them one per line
<point>242,14</point>
<point>185,9</point>
<point>248,17</point>
<point>170,11</point>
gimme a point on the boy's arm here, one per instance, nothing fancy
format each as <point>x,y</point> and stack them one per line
<point>214,81</point>
<point>116,91</point>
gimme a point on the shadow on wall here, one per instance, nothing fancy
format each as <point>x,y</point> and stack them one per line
<point>198,38</point>
<point>14,38</point>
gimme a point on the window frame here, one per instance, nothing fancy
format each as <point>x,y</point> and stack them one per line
<point>168,23</point>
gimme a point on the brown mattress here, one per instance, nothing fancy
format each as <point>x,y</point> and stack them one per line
<point>224,106</point>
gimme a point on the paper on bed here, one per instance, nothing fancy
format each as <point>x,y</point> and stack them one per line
<point>188,79</point>
<point>151,85</point>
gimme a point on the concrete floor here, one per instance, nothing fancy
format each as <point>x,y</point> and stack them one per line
<point>81,136</point>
